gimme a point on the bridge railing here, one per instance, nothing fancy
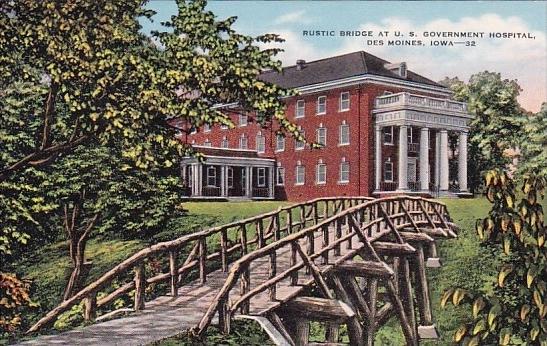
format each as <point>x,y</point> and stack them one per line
<point>202,252</point>
<point>375,219</point>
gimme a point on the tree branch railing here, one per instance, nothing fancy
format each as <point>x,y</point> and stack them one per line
<point>206,250</point>
<point>375,219</point>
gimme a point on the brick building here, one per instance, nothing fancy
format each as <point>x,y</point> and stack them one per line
<point>384,129</point>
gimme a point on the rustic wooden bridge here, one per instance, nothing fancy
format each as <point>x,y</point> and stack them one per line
<point>346,260</point>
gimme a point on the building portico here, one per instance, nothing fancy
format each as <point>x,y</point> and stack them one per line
<point>415,130</point>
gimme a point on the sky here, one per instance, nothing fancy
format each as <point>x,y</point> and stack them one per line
<point>523,59</point>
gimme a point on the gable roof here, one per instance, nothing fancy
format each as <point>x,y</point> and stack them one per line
<point>338,67</point>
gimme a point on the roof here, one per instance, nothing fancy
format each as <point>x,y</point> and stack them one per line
<point>338,67</point>
<point>224,152</point>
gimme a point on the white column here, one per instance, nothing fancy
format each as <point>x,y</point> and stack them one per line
<point>223,181</point>
<point>403,158</point>
<point>462,161</point>
<point>248,182</point>
<point>270,182</point>
<point>378,157</point>
<point>443,169</point>
<point>424,159</point>
<point>437,156</point>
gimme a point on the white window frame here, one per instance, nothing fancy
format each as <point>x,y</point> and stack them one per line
<point>279,139</point>
<point>384,135</point>
<point>340,139</point>
<point>260,143</point>
<point>321,103</point>
<point>206,128</point>
<point>300,145</point>
<point>280,173</point>
<point>243,120</point>
<point>386,164</point>
<point>321,177</point>
<point>411,135</point>
<point>207,143</point>
<point>300,109</point>
<point>318,136</point>
<point>300,171</point>
<point>212,176</point>
<point>243,140</point>
<point>261,177</point>
<point>344,170</point>
<point>230,177</point>
<point>224,127</point>
<point>224,143</point>
<point>344,108</point>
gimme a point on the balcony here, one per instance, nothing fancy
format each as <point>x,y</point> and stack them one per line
<point>406,99</point>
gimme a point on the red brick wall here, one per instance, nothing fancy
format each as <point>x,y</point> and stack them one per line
<point>359,153</point>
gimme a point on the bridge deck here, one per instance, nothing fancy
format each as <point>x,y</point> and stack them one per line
<point>166,316</point>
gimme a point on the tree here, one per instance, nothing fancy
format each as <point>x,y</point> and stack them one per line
<point>514,312</point>
<point>74,73</point>
<point>533,145</point>
<point>98,192</point>
<point>498,119</point>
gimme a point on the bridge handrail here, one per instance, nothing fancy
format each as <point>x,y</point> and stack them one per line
<point>309,211</point>
<point>436,213</point>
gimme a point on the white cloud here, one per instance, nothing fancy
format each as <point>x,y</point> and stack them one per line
<point>521,59</point>
<point>293,17</point>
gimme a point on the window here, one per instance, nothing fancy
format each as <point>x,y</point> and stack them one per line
<point>223,127</point>
<point>388,171</point>
<point>344,171</point>
<point>344,101</point>
<point>230,177</point>
<point>411,134</point>
<point>321,105</point>
<point>388,135</point>
<point>344,134</point>
<point>193,130</point>
<point>300,174</point>
<point>211,176</point>
<point>260,143</point>
<point>322,135</point>
<point>261,179</point>
<point>280,143</point>
<point>243,142</point>
<point>300,109</point>
<point>206,128</point>
<point>321,173</point>
<point>280,176</point>
<point>224,143</point>
<point>243,119</point>
<point>299,145</point>
<point>207,143</point>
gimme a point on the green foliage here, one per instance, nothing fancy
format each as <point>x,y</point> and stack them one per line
<point>497,123</point>
<point>514,312</point>
<point>533,146</point>
<point>81,74</point>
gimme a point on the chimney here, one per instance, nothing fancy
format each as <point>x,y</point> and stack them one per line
<point>300,64</point>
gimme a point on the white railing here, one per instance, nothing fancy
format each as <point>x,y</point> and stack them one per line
<point>407,99</point>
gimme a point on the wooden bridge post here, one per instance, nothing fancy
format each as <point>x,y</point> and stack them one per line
<point>325,230</point>
<point>315,212</point>
<point>224,249</point>
<point>277,227</point>
<point>294,274</point>
<point>405,292</point>
<point>326,210</point>
<point>202,260</point>
<point>289,221</point>
<point>272,274</point>
<point>90,307</point>
<point>260,233</point>
<point>422,295</point>
<point>245,287</point>
<point>173,272</point>
<point>302,217</point>
<point>372,293</point>
<point>140,286</point>
<point>224,318</point>
<point>243,240</point>
<point>338,235</point>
